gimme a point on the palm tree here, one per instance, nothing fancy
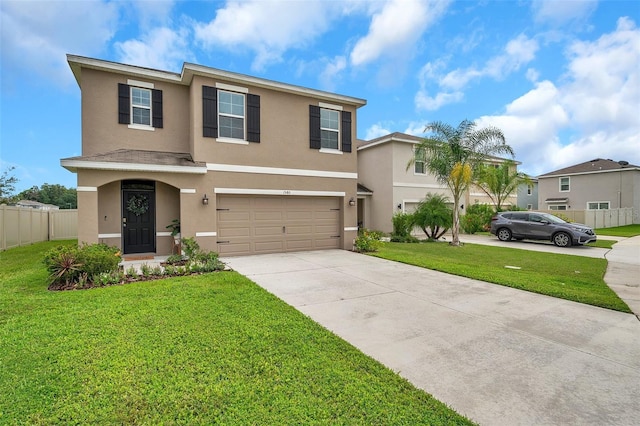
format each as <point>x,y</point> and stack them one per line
<point>452,155</point>
<point>499,182</point>
<point>433,216</point>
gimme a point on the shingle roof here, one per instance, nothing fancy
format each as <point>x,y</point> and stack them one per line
<point>596,165</point>
<point>124,159</point>
<point>363,189</point>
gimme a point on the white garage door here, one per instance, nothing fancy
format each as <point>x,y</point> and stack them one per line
<point>271,224</point>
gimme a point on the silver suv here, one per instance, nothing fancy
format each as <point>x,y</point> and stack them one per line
<point>540,226</point>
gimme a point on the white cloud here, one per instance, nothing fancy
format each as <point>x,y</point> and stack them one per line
<point>594,113</point>
<point>396,28</point>
<point>268,28</point>
<point>517,53</point>
<point>331,73</point>
<point>36,36</point>
<point>375,131</point>
<point>557,13</point>
<point>161,48</point>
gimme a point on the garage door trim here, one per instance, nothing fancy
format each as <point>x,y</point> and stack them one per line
<point>295,192</point>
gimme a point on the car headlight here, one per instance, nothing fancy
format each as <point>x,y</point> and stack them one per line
<point>579,229</point>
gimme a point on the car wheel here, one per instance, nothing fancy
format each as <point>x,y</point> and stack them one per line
<point>562,239</point>
<point>504,234</point>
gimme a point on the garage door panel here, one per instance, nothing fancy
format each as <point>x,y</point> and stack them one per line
<point>255,224</point>
<point>268,215</point>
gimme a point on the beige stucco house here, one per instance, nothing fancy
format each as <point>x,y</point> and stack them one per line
<point>598,184</point>
<point>393,188</point>
<point>247,165</point>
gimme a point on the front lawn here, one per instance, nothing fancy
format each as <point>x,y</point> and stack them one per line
<point>602,243</point>
<point>568,277</point>
<point>208,349</point>
<point>620,231</point>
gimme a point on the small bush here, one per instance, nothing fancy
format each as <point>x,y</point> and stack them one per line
<point>175,259</point>
<point>367,241</point>
<point>405,239</point>
<point>98,258</point>
<point>477,218</point>
<point>402,224</point>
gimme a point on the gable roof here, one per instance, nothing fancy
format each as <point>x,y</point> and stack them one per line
<point>189,70</point>
<point>597,165</point>
<point>411,139</point>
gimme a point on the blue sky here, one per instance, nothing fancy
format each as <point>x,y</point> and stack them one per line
<point>561,78</point>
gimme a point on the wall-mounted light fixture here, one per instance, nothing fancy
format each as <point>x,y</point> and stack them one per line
<point>399,206</point>
<point>352,202</point>
<point>205,200</point>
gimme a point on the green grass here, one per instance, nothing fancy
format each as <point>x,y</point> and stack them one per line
<point>208,349</point>
<point>620,231</point>
<point>602,243</point>
<point>568,277</point>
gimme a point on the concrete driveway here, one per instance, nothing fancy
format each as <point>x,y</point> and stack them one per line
<point>497,355</point>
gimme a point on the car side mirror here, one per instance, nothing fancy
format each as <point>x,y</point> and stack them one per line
<point>544,222</point>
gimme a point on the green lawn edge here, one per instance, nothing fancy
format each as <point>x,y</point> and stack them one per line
<point>619,231</point>
<point>208,349</point>
<point>575,278</point>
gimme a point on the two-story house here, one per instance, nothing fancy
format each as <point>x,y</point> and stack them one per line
<point>391,187</point>
<point>598,184</point>
<point>247,165</point>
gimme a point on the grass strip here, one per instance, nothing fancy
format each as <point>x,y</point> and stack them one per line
<point>620,231</point>
<point>208,349</point>
<point>575,278</point>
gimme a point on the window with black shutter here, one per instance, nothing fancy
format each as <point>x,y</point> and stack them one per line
<point>139,107</point>
<point>230,115</point>
<point>329,129</point>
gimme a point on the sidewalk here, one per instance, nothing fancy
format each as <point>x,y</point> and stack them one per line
<point>623,268</point>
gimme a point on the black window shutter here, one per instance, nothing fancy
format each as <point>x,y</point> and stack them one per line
<point>346,131</point>
<point>123,104</point>
<point>209,112</point>
<point>314,127</point>
<point>253,118</point>
<point>156,101</point>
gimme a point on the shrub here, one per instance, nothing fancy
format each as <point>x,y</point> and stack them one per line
<point>99,258</point>
<point>367,241</point>
<point>405,239</point>
<point>402,224</point>
<point>64,266</point>
<point>477,218</point>
<point>175,259</point>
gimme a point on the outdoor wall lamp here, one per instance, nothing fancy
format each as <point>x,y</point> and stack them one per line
<point>205,200</point>
<point>352,202</point>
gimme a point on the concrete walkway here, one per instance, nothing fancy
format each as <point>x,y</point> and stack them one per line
<point>623,267</point>
<point>498,355</point>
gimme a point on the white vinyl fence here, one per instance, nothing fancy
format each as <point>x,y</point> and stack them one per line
<point>20,226</point>
<point>598,218</point>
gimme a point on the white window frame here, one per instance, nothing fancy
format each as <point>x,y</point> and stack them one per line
<point>231,139</point>
<point>415,165</point>
<point>133,106</point>
<point>568,184</point>
<point>558,207</point>
<point>329,129</point>
<point>529,189</point>
<point>598,205</point>
<point>529,206</point>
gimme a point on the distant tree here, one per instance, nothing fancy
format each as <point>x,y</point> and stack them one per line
<point>499,182</point>
<point>7,184</point>
<point>433,216</point>
<point>451,154</point>
<point>58,195</point>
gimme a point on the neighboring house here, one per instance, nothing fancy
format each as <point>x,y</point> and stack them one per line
<point>247,165</point>
<point>593,185</point>
<point>394,188</point>
<point>36,205</point>
<point>528,195</point>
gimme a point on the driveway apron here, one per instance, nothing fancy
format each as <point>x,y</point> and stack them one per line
<point>498,355</point>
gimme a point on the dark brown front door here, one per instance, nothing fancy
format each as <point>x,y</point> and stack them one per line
<point>138,219</point>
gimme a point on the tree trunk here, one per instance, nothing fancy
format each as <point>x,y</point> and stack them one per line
<point>455,230</point>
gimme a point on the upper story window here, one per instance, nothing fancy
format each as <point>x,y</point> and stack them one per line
<point>230,114</point>
<point>419,167</point>
<point>529,189</point>
<point>140,105</point>
<point>564,184</point>
<point>329,129</point>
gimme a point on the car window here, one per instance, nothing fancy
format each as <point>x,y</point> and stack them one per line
<point>506,215</point>
<point>519,216</point>
<point>536,218</point>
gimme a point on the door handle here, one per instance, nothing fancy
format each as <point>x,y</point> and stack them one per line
<point>283,229</point>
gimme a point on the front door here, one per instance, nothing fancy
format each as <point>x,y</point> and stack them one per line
<point>138,217</point>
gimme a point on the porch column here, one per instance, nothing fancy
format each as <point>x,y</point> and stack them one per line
<point>188,206</point>
<point>87,214</point>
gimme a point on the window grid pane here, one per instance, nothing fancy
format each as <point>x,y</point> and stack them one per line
<point>140,97</point>
<point>231,115</point>
<point>231,127</point>
<point>141,116</point>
